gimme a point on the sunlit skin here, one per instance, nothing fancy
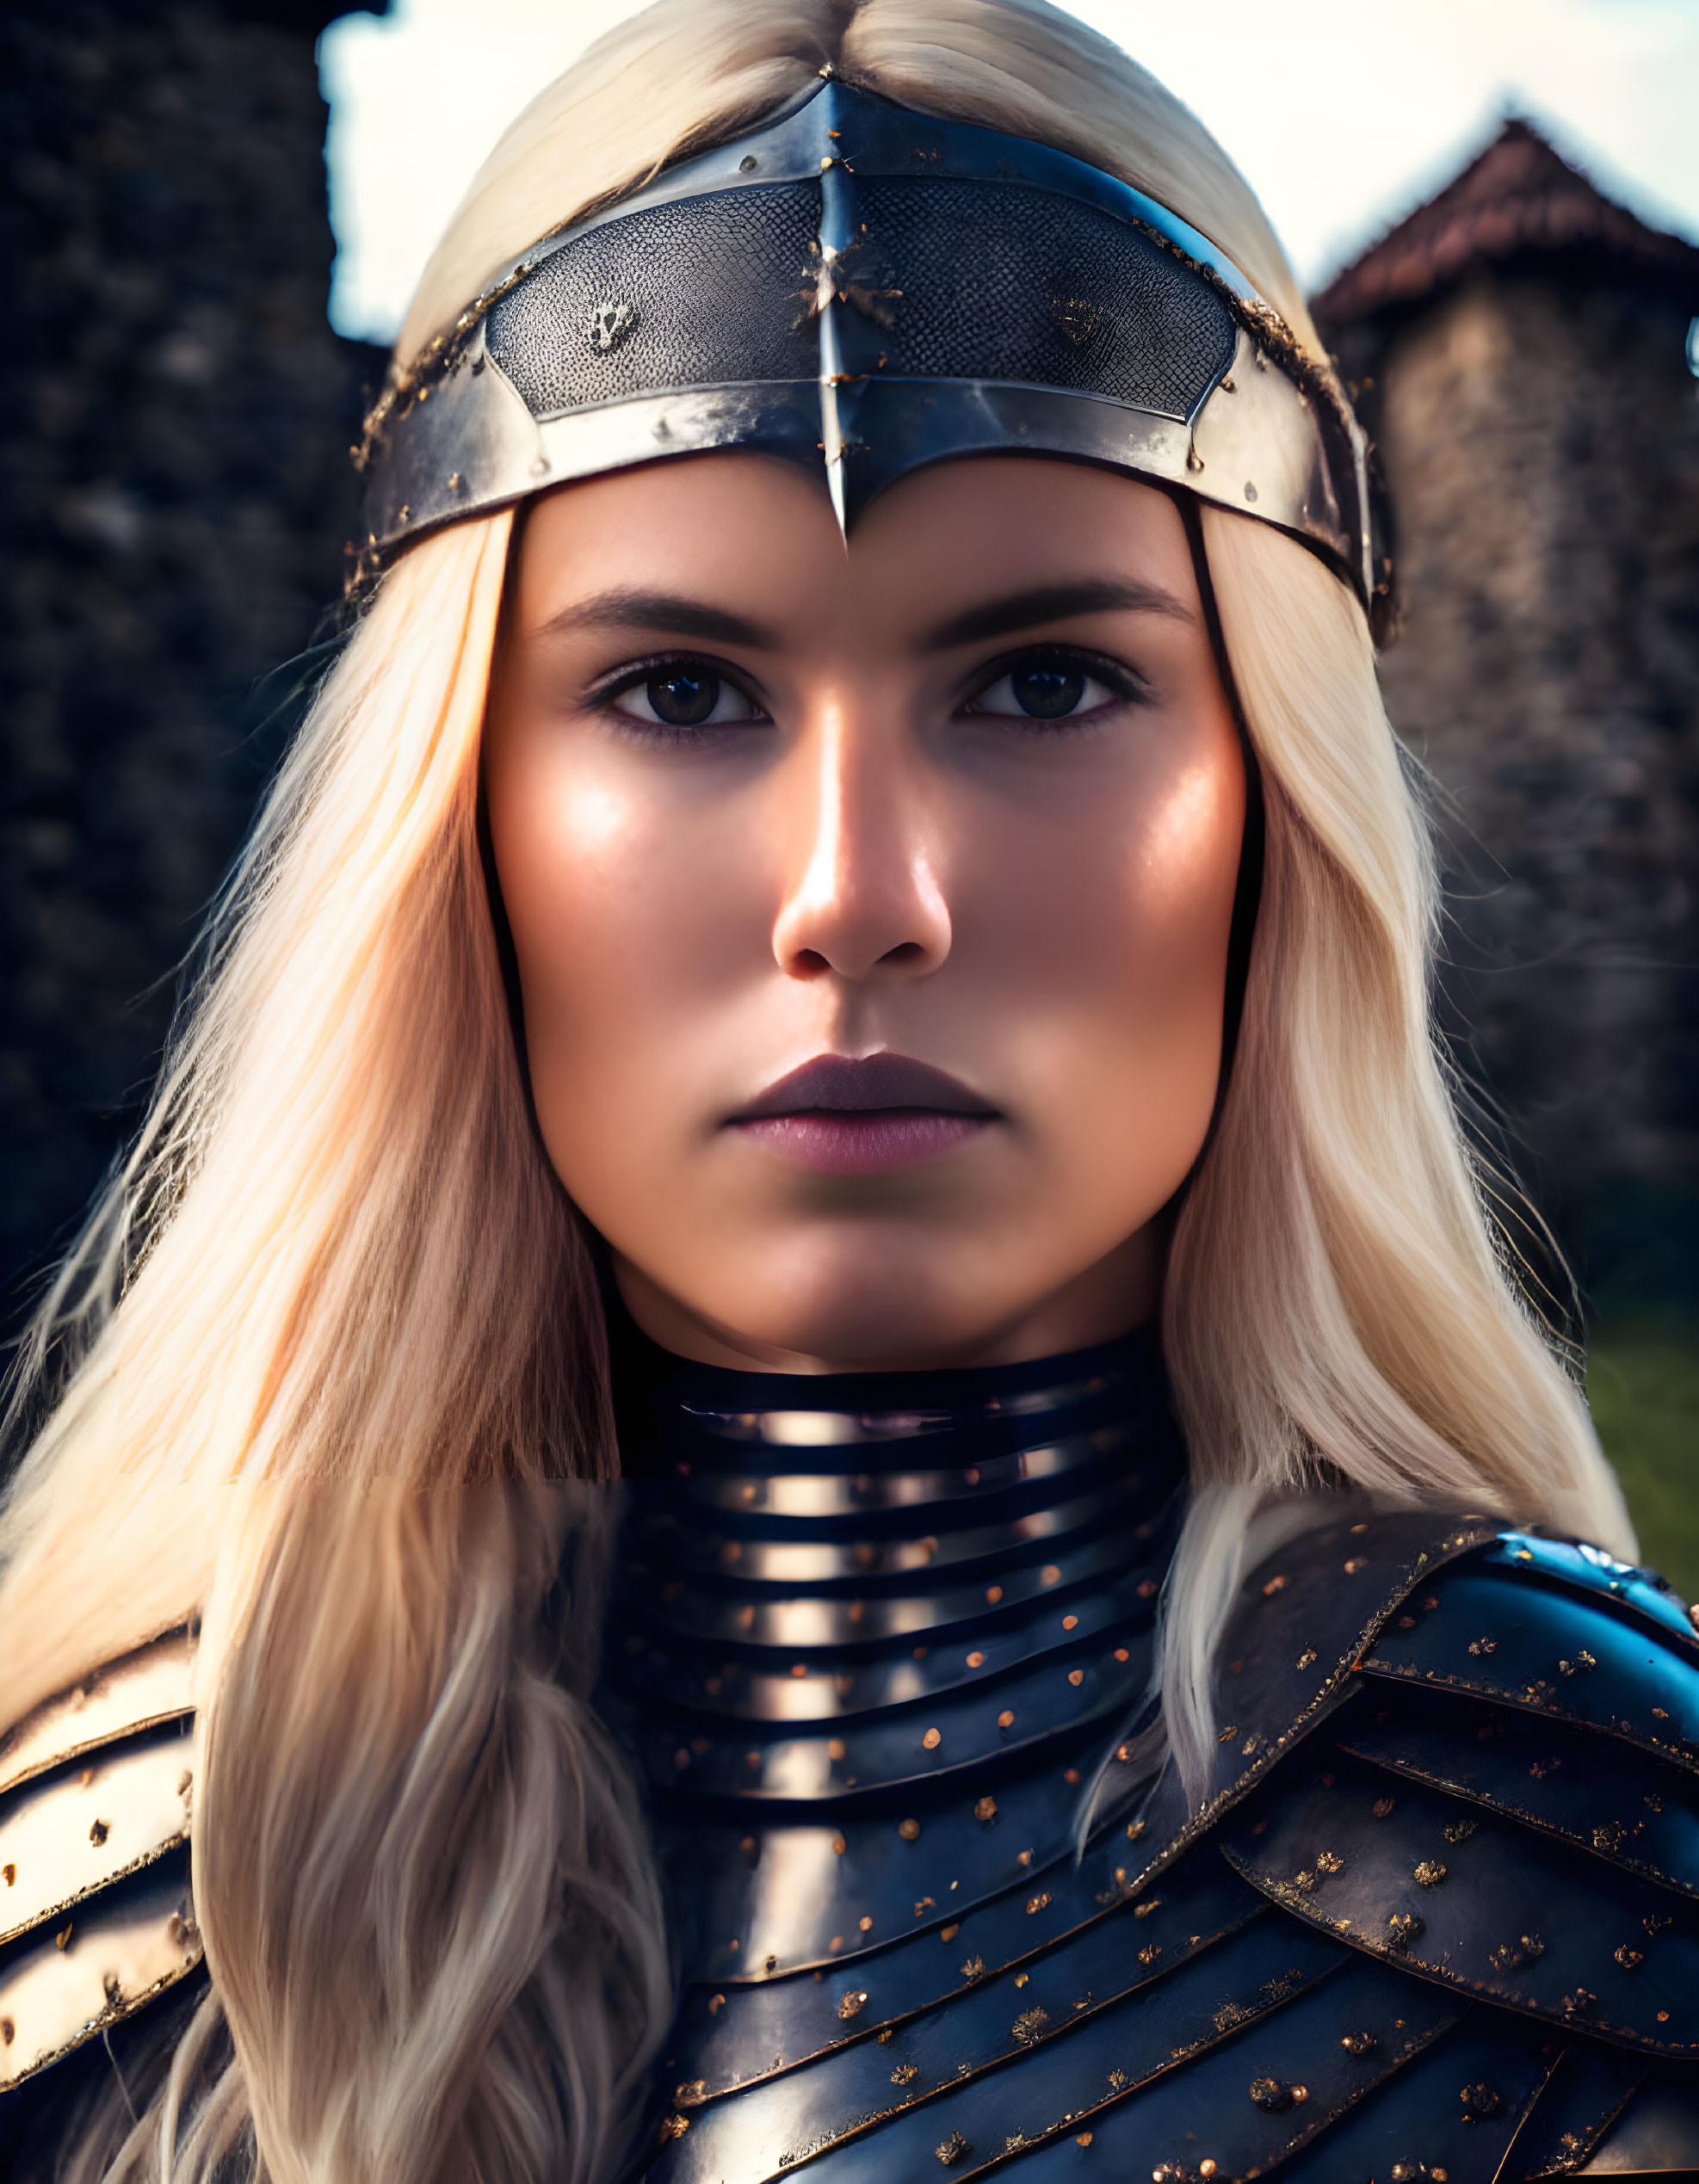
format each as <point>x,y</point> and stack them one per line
<point>867,845</point>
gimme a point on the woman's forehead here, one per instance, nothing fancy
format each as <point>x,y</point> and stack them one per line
<point>756,531</point>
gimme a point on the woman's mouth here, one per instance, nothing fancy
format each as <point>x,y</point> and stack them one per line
<point>845,1116</point>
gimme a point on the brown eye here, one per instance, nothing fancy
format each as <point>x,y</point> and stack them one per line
<point>687,695</point>
<point>1047,689</point>
<point>1047,693</point>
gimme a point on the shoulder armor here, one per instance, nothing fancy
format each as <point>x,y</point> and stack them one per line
<point>1509,1802</point>
<point>96,1915</point>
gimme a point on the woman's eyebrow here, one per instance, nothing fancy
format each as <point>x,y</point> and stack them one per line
<point>660,610</point>
<point>1051,604</point>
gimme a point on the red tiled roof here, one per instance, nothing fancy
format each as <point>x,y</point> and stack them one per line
<point>1519,197</point>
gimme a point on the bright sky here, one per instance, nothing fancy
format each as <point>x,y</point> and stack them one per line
<point>1344,114</point>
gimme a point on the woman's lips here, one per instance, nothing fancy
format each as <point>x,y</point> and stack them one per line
<point>842,1115</point>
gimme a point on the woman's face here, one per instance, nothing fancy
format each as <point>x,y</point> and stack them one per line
<point>871,904</point>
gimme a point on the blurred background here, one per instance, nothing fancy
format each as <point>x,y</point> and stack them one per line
<point>215,210</point>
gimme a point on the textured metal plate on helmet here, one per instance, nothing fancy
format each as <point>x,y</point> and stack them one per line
<point>709,292</point>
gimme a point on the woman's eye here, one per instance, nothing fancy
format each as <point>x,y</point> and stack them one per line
<point>684,697</point>
<point>1045,690</point>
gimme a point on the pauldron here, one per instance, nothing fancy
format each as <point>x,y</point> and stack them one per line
<point>1438,1918</point>
<point>96,1912</point>
<point>864,289</point>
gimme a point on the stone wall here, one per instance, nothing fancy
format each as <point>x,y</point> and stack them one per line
<point>173,447</point>
<point>1541,439</point>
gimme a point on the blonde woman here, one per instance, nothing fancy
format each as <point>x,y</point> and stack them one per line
<point>847,945</point>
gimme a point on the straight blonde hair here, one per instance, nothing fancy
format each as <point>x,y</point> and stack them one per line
<point>329,1360</point>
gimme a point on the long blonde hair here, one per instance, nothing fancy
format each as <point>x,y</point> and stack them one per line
<point>331,1372</point>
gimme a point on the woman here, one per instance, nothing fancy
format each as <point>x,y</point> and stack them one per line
<point>847,941</point>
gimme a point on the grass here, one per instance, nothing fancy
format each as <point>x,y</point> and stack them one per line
<point>1643,1385</point>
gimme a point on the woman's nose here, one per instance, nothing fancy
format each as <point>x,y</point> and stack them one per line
<point>863,896</point>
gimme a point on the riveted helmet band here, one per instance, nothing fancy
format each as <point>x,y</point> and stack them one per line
<point>865,290</point>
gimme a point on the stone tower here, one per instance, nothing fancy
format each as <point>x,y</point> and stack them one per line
<point>174,451</point>
<point>1520,348</point>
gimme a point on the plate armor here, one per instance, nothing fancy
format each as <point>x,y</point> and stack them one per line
<point>874,1641</point>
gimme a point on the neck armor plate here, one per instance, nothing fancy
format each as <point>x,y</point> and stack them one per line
<point>871,289</point>
<point>872,1637</point>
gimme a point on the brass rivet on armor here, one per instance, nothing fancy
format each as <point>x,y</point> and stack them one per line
<point>1270,2096</point>
<point>1021,1978</point>
<point>908,1831</point>
<point>1050,1575</point>
<point>1024,1858</point>
<point>1037,1904</point>
<point>1360,2044</point>
<point>986,1809</point>
<point>834,1747</point>
<point>1005,1719</point>
<point>716,2003</point>
<point>852,2005</point>
<point>1276,1584</point>
<point>1356,1563</point>
<point>748,164</point>
<point>834,1945</point>
<point>932,1739</point>
<point>976,1660</point>
<point>1146,1587</point>
<point>1076,1676</point>
<point>866,1925</point>
<point>1134,1829</point>
<point>920,1653</point>
<point>994,1594</point>
<point>1082,2139</point>
<point>1429,1874</point>
<point>947,1933</point>
<point>839,1844</point>
<point>1069,1622</point>
<point>691,2095</point>
<point>1121,1653</point>
<point>1071,1776</point>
